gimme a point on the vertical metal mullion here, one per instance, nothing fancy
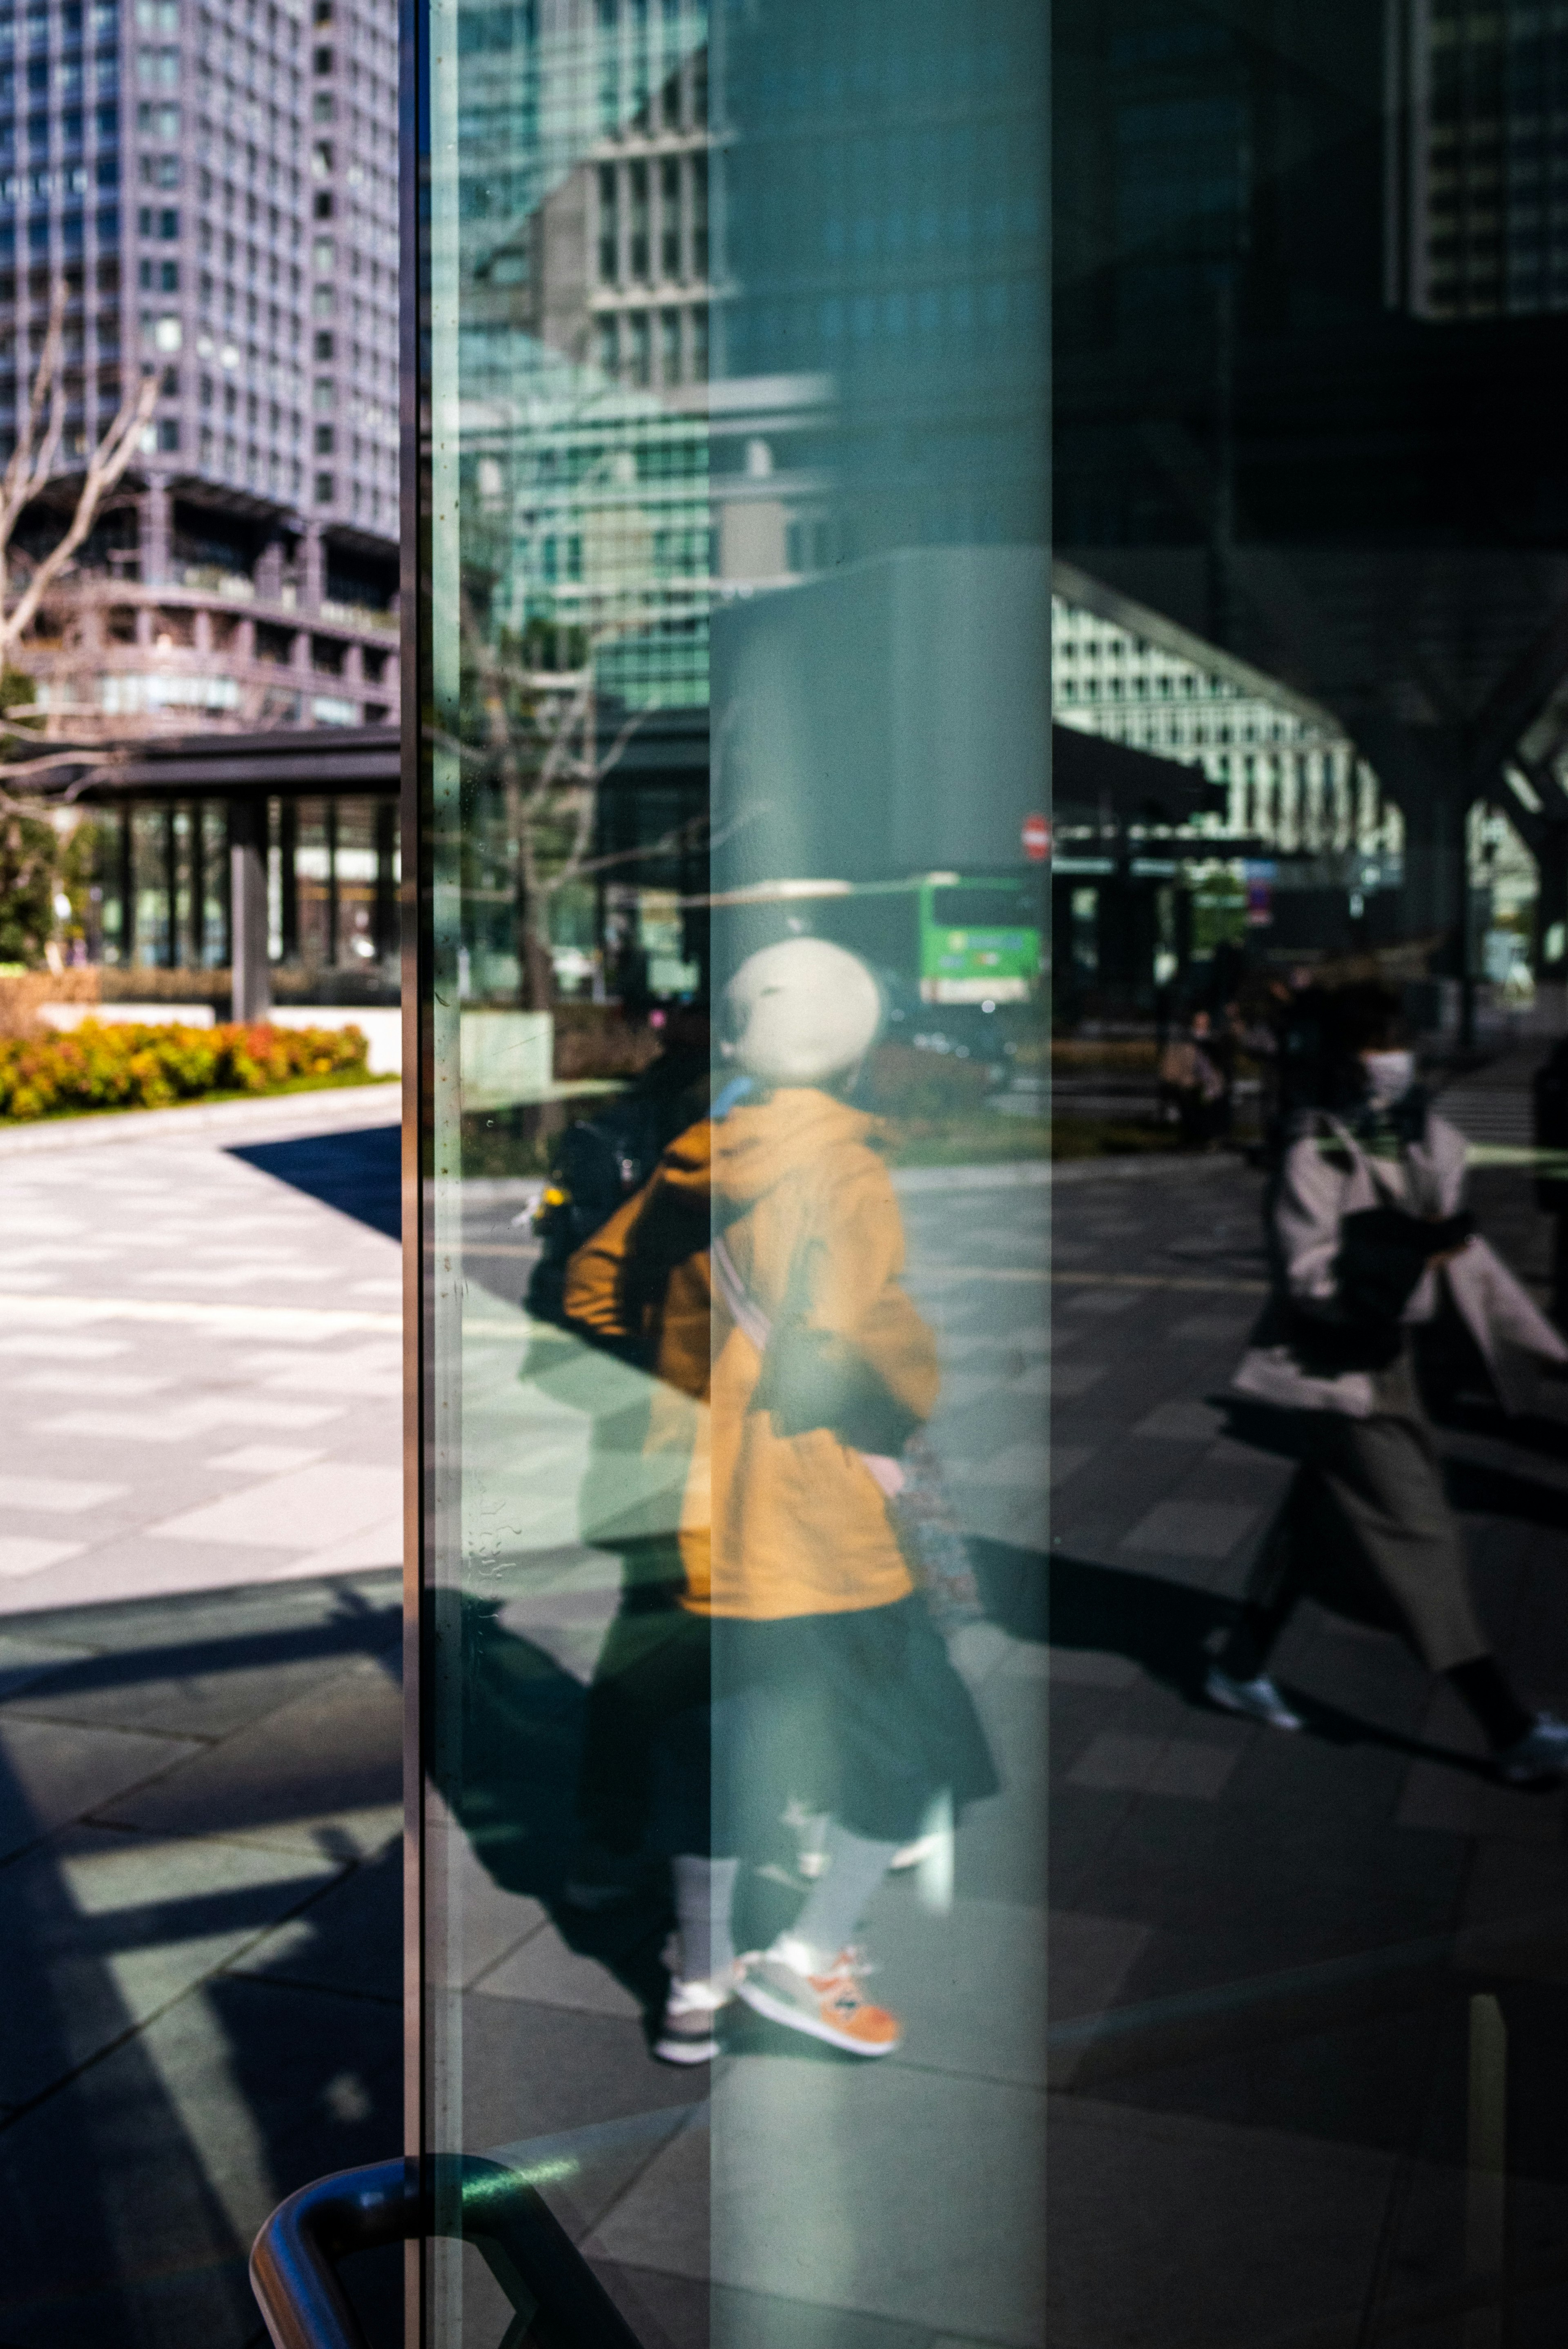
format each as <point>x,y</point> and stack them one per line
<point>289,879</point>
<point>226,950</point>
<point>197,868</point>
<point>171,890</point>
<point>413,307</point>
<point>330,827</point>
<point>443,1240</point>
<point>127,883</point>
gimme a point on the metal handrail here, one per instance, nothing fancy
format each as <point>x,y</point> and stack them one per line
<point>560,2301</point>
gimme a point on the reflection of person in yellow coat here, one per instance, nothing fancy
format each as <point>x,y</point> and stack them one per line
<point>760,1267</point>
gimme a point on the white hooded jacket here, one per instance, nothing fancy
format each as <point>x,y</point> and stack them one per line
<point>1327,1176</point>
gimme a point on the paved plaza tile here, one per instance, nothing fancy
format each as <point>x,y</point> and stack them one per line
<point>186,2044</point>
<point>194,1336</point>
<point>1261,1948</point>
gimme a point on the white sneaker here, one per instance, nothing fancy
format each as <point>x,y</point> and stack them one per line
<point>1540,1756</point>
<point>687,2032</point>
<point>911,1855</point>
<point>1258,1699</point>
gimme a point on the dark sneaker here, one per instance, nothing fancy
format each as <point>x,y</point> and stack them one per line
<point>687,2032</point>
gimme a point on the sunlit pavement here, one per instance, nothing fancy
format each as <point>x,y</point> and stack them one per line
<point>199,1734</point>
<point>1265,1948</point>
<point>1245,1926</point>
<point>200,1355</point>
<point>199,1724</point>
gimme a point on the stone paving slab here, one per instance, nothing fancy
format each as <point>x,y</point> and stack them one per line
<point>200,1356</point>
<point>196,2044</point>
<point>211,1990</point>
<point>1266,1944</point>
<point>286,1113</point>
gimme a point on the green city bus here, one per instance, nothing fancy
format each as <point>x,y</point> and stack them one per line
<point>952,938</point>
<point>979,940</point>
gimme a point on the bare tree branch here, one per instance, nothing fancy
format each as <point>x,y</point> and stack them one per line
<point>33,463</point>
<point>104,466</point>
<point>18,483</point>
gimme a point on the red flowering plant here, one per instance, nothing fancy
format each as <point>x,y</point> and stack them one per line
<point>100,1065</point>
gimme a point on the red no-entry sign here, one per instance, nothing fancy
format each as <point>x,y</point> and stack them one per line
<point>1036,839</point>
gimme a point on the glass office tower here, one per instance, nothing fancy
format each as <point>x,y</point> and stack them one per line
<point>926,1449</point>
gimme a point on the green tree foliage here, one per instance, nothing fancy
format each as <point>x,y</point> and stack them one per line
<point>46,867</point>
<point>30,859</point>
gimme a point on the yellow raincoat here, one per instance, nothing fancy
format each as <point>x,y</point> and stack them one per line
<point>773,1523</point>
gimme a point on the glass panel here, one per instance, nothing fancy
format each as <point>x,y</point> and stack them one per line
<point>733,933</point>
<point>763,983</point>
<point>151,864</point>
<point>309,880</point>
<point>212,945</point>
<point>1308,677</point>
<point>354,867</point>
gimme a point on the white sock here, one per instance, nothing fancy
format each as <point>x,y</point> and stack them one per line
<point>704,1892</point>
<point>839,1898</point>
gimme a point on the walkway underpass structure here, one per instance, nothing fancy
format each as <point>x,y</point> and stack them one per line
<point>1362,493</point>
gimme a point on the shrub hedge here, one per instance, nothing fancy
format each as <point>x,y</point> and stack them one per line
<point>101,1065</point>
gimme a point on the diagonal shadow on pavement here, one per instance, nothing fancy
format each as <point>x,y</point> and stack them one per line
<point>358,1173</point>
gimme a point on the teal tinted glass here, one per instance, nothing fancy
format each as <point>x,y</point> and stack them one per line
<point>734,794</point>
<point>838,1142</point>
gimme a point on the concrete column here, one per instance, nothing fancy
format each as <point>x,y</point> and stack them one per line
<point>247,907</point>
<point>1424,768</point>
<point>154,518</point>
<point>299,664</point>
<point>313,567</point>
<point>1551,905</point>
<point>269,574</point>
<point>1435,881</point>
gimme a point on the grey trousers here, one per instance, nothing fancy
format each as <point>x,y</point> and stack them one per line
<point>1382,1484</point>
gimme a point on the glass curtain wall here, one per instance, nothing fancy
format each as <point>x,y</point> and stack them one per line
<point>333,872</point>
<point>748,1358</point>
<point>731,792</point>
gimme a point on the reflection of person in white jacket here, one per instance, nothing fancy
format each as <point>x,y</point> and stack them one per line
<point>1366,1220</point>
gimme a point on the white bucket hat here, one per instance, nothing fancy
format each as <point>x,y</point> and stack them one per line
<point>800,1012</point>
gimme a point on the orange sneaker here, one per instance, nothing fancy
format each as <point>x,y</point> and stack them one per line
<point>827,2004</point>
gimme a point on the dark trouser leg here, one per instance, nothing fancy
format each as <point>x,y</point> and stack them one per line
<point>1503,1720</point>
<point>1272,1589</point>
<point>1385,1479</point>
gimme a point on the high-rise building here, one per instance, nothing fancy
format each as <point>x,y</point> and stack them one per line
<point>697,345</point>
<point>1477,159</point>
<point>589,282</point>
<point>215,183</point>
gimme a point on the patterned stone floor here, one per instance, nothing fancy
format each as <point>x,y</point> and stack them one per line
<point>200,1721</point>
<point>1263,2064</point>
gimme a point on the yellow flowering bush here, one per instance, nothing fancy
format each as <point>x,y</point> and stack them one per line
<point>100,1065</point>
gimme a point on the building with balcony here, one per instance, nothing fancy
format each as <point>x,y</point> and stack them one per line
<point>214,182</point>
